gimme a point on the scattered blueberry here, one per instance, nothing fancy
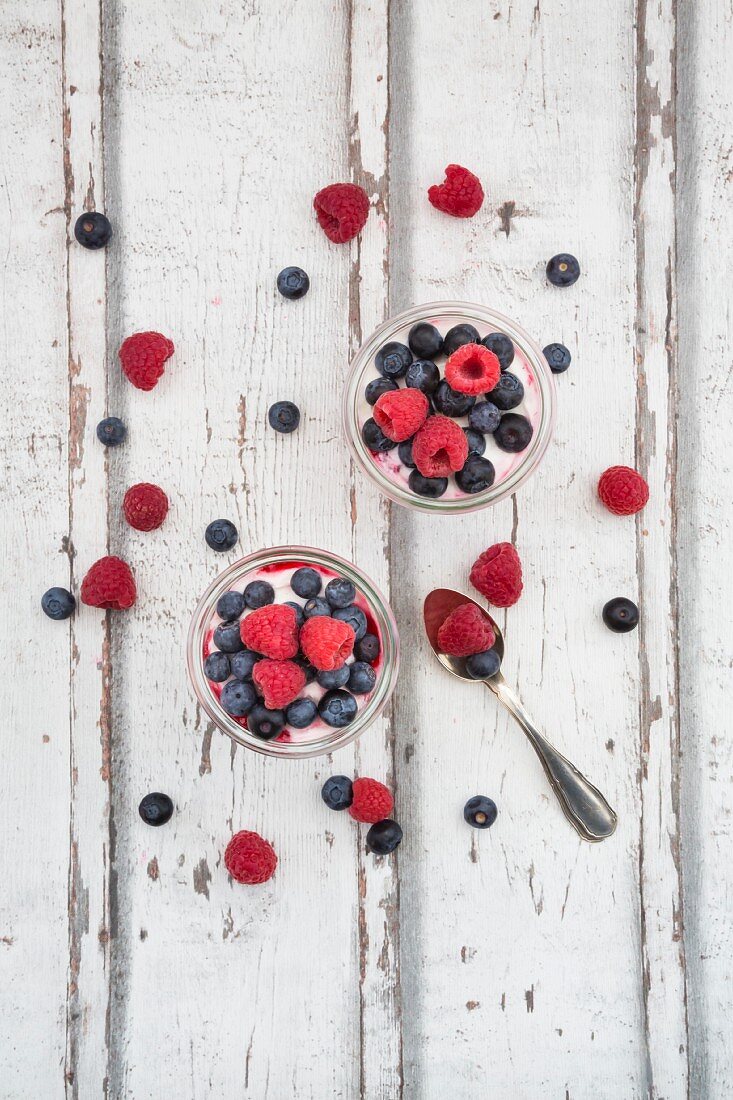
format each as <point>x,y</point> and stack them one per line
<point>450,402</point>
<point>93,230</point>
<point>306,582</point>
<point>293,283</point>
<point>337,792</point>
<point>355,617</point>
<point>227,637</point>
<point>484,417</point>
<point>298,609</point>
<point>393,360</point>
<point>558,356</point>
<point>375,438</point>
<point>477,474</point>
<point>383,837</point>
<point>284,417</point>
<point>334,678</point>
<point>238,697</point>
<point>308,669</point>
<point>482,665</point>
<point>316,606</point>
<point>111,431</point>
<point>362,678</point>
<point>621,615</point>
<point>404,450</point>
<point>259,594</point>
<point>58,603</point>
<point>230,605</point>
<point>340,592</point>
<point>221,535</point>
<point>563,269</point>
<point>459,335</point>
<point>264,723</point>
<point>338,708</point>
<point>377,387</point>
<point>301,713</point>
<point>156,808</point>
<point>216,667</point>
<point>502,348</point>
<point>367,648</point>
<point>476,441</point>
<point>480,812</point>
<point>433,487</point>
<point>242,663</point>
<point>425,341</point>
<point>507,393</point>
<point>422,375</point>
<point>514,432</point>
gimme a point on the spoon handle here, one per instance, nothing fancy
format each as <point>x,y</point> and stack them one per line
<point>583,804</point>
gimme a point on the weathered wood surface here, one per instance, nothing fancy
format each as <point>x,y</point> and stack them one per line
<point>520,960</point>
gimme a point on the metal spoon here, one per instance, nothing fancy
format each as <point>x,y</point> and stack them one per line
<point>583,805</point>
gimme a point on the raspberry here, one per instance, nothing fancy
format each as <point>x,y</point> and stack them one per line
<point>472,369</point>
<point>327,642</point>
<point>371,801</point>
<point>145,506</point>
<point>461,195</point>
<point>497,574</point>
<point>465,631</point>
<point>249,858</point>
<point>143,356</point>
<point>342,210</point>
<point>278,682</point>
<point>623,490</point>
<point>399,413</point>
<point>440,447</point>
<point>109,583</point>
<point>271,631</point>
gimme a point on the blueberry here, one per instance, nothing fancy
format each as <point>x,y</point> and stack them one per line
<point>340,592</point>
<point>308,669</point>
<point>502,348</point>
<point>433,487</point>
<point>482,665</point>
<point>334,678</point>
<point>301,713</point>
<point>111,431</point>
<point>306,582</point>
<point>422,375</point>
<point>383,837</point>
<point>621,615</point>
<point>355,617</point>
<point>292,282</point>
<point>514,433</point>
<point>377,387</point>
<point>221,535</point>
<point>337,708</point>
<point>227,637</point>
<point>558,356</point>
<point>459,335</point>
<point>484,417</point>
<point>259,594</point>
<point>230,605</point>
<point>367,648</point>
<point>508,392</point>
<point>362,678</point>
<point>480,811</point>
<point>374,437</point>
<point>563,269</point>
<point>156,808</point>
<point>58,603</point>
<point>404,450</point>
<point>264,723</point>
<point>216,667</point>
<point>450,402</point>
<point>337,792</point>
<point>242,663</point>
<point>238,697</point>
<point>316,606</point>
<point>393,360</point>
<point>476,442</point>
<point>477,474</point>
<point>425,341</point>
<point>284,417</point>
<point>93,230</point>
<point>298,609</point>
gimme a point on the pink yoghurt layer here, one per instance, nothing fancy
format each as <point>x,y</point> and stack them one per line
<point>279,577</point>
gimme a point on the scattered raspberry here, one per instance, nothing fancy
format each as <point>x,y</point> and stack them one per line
<point>472,369</point>
<point>399,413</point>
<point>271,631</point>
<point>143,356</point>
<point>326,642</point>
<point>623,490</point>
<point>497,574</point>
<point>278,682</point>
<point>145,506</point>
<point>249,858</point>
<point>461,195</point>
<point>371,801</point>
<point>440,447</point>
<point>109,583</point>
<point>342,210</point>
<point>465,631</point>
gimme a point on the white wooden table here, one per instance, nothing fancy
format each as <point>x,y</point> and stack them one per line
<point>518,963</point>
